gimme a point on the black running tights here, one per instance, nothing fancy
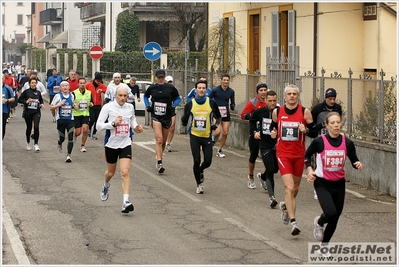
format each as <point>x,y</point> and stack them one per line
<point>331,195</point>
<point>35,118</point>
<point>196,143</point>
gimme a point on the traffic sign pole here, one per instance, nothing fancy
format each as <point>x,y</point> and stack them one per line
<point>96,53</point>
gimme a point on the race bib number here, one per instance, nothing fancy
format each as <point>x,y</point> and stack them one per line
<point>56,89</point>
<point>160,108</point>
<point>66,110</point>
<point>334,160</point>
<point>34,104</point>
<point>82,105</point>
<point>289,131</point>
<point>200,123</point>
<point>266,123</point>
<point>122,129</point>
<point>324,131</point>
<point>223,111</point>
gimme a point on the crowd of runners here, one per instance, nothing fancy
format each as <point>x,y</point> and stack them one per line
<point>277,133</point>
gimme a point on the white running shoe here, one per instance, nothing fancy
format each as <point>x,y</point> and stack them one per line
<point>284,213</point>
<point>83,149</point>
<point>28,147</point>
<point>68,159</point>
<point>220,154</point>
<point>262,183</point>
<point>160,168</point>
<point>127,207</point>
<point>273,202</point>
<point>318,231</point>
<point>105,192</point>
<point>200,189</point>
<point>168,148</point>
<point>251,183</point>
<point>37,149</point>
<point>294,228</point>
<point>315,195</point>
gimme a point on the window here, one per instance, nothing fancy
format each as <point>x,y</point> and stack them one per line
<point>283,34</point>
<point>227,45</point>
<point>33,8</point>
<point>369,11</point>
<point>20,4</point>
<point>19,20</point>
<point>4,20</point>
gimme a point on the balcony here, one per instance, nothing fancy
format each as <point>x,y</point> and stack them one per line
<point>93,12</point>
<point>50,17</point>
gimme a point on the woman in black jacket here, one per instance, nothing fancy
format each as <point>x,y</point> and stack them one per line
<point>33,103</point>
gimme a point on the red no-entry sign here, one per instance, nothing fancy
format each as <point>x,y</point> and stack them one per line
<point>96,52</point>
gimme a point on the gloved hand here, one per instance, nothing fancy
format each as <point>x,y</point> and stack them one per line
<point>214,127</point>
<point>149,109</point>
<point>247,116</point>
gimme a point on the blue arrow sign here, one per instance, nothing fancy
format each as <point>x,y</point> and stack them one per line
<point>152,51</point>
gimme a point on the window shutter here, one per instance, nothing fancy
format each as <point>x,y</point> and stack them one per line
<point>291,35</point>
<point>231,59</point>
<point>275,34</point>
<point>221,44</point>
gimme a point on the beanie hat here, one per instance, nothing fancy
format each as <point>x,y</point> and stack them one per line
<point>260,85</point>
<point>331,93</point>
<point>98,76</point>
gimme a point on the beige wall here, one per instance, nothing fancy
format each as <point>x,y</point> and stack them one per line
<point>344,39</point>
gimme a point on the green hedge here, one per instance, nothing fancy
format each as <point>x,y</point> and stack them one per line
<point>130,62</point>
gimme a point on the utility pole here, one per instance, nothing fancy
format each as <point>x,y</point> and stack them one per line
<point>186,57</point>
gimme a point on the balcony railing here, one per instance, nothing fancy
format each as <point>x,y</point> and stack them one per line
<point>49,17</point>
<point>92,10</point>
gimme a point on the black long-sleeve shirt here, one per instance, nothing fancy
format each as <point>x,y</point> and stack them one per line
<point>255,124</point>
<point>33,94</point>
<point>317,146</point>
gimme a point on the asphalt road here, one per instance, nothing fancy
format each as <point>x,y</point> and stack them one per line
<point>58,217</point>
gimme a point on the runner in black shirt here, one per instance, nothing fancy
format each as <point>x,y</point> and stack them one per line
<point>163,97</point>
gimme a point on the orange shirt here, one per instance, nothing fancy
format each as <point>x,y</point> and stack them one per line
<point>96,95</point>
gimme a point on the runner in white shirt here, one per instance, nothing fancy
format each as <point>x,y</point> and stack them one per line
<point>111,88</point>
<point>117,117</point>
<point>40,86</point>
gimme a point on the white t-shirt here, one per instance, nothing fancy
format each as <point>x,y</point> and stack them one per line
<point>40,87</point>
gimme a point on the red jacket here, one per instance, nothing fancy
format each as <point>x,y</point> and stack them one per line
<point>96,95</point>
<point>73,85</point>
<point>251,106</point>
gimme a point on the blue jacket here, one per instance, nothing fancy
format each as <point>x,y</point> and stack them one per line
<point>53,81</point>
<point>7,93</point>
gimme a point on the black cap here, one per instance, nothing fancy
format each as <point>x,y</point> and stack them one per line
<point>260,85</point>
<point>78,73</point>
<point>98,76</point>
<point>331,93</point>
<point>160,73</point>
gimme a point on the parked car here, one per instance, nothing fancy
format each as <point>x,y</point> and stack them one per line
<point>143,85</point>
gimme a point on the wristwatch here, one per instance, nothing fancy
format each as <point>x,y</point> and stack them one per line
<point>113,124</point>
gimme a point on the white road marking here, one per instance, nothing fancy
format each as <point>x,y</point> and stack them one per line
<point>212,209</point>
<point>264,239</point>
<point>158,178</point>
<point>15,241</point>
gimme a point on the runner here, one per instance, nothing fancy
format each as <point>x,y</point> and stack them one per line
<point>191,95</point>
<point>62,105</point>
<point>201,110</point>
<point>134,89</point>
<point>33,104</point>
<point>261,127</point>
<point>117,117</point>
<point>53,84</point>
<point>223,94</point>
<point>111,88</point>
<point>320,111</point>
<point>253,104</point>
<point>169,80</point>
<point>7,98</point>
<point>81,112</point>
<point>331,150</point>
<point>292,120</point>
<point>163,97</point>
<point>97,89</point>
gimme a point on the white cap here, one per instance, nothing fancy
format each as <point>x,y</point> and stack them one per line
<point>116,74</point>
<point>169,78</point>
